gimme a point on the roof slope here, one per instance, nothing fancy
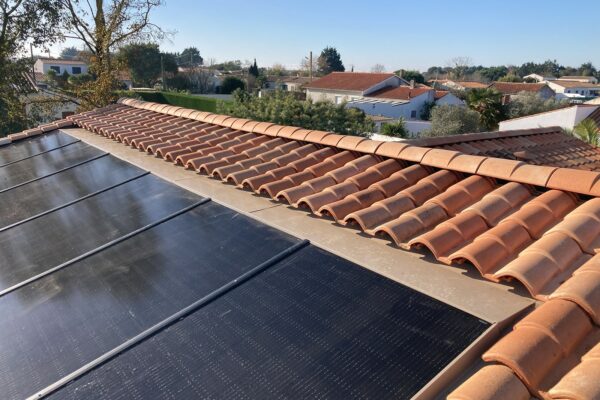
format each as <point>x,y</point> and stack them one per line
<point>514,87</point>
<point>399,93</point>
<point>357,81</point>
<point>575,84</point>
<point>541,146</point>
<point>538,225</point>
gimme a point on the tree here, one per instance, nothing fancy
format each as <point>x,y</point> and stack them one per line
<point>190,57</point>
<point>278,70</point>
<point>395,129</point>
<point>330,61</point>
<point>410,75</point>
<point>143,62</point>
<point>493,73</point>
<point>70,53</point>
<point>305,66</point>
<point>449,120</point>
<point>284,108</point>
<point>21,22</point>
<point>488,103</point>
<point>103,26</point>
<point>253,70</point>
<point>510,78</point>
<point>459,67</point>
<point>588,131</point>
<point>378,68</point>
<point>528,103</point>
<point>169,61</point>
<point>230,84</point>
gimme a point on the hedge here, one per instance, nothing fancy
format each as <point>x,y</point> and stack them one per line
<point>177,99</point>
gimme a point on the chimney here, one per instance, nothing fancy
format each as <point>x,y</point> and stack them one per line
<point>412,83</point>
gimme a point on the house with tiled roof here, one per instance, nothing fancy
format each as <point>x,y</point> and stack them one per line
<point>567,118</point>
<point>60,66</point>
<point>575,89</point>
<point>486,284</point>
<point>449,84</point>
<point>511,89</point>
<point>338,87</point>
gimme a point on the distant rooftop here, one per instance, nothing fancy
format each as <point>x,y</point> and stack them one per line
<point>62,61</point>
<point>355,81</point>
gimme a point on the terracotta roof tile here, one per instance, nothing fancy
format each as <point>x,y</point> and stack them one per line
<point>511,220</point>
<point>541,146</point>
<point>355,81</point>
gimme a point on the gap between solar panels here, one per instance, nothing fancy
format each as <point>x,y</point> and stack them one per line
<point>33,217</point>
<point>103,247</point>
<point>170,320</point>
<point>54,173</point>
<point>40,153</point>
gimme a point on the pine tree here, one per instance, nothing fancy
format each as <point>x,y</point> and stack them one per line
<point>330,61</point>
<point>253,70</point>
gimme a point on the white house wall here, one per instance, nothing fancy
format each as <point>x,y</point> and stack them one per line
<point>565,118</point>
<point>44,67</point>
<point>332,95</point>
<point>391,110</point>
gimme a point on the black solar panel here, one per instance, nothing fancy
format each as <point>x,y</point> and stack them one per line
<point>312,326</point>
<point>34,146</point>
<point>99,263</point>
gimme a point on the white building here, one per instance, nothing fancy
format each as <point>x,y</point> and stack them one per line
<point>539,78</point>
<point>584,79</point>
<point>574,90</point>
<point>72,67</point>
<point>565,118</point>
<point>338,87</point>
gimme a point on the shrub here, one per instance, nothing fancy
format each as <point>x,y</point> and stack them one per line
<point>395,129</point>
<point>449,120</point>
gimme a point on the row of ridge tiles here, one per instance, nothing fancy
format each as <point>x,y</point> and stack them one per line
<point>540,146</point>
<point>505,230</point>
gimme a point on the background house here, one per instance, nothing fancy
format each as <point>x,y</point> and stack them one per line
<point>72,67</point>
<point>565,118</point>
<point>511,89</point>
<point>574,90</point>
<point>447,84</point>
<point>338,87</point>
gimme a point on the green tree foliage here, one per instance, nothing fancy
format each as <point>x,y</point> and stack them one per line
<point>21,22</point>
<point>190,58</point>
<point>449,120</point>
<point>235,65</point>
<point>230,84</point>
<point>142,61</point>
<point>170,63</point>
<point>493,73</point>
<point>330,61</point>
<point>488,103</point>
<point>70,53</point>
<point>395,129</point>
<point>528,103</point>
<point>510,78</point>
<point>253,70</point>
<point>102,26</point>
<point>285,109</point>
<point>410,75</point>
<point>588,131</point>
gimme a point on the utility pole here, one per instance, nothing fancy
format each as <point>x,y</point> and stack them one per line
<point>32,67</point>
<point>310,66</point>
<point>162,72</point>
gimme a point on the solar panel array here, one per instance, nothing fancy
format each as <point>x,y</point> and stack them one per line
<point>117,284</point>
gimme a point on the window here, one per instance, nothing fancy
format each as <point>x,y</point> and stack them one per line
<point>413,114</point>
<point>338,99</point>
<point>55,68</point>
<point>76,70</point>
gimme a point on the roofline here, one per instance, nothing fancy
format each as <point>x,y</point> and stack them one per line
<point>470,137</point>
<point>566,179</point>
<point>551,111</point>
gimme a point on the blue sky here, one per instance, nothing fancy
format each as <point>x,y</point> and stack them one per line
<point>397,34</point>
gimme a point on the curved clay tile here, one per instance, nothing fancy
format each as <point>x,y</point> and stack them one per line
<point>492,382</point>
<point>583,381</point>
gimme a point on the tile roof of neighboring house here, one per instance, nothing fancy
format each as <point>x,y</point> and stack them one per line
<point>356,81</point>
<point>540,146</point>
<point>571,77</point>
<point>514,87</point>
<point>472,85</point>
<point>62,61</point>
<point>399,93</point>
<point>538,225</point>
<point>440,93</point>
<point>576,84</point>
<point>595,116</point>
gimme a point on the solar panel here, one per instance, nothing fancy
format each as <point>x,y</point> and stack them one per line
<point>100,262</point>
<point>34,146</point>
<point>312,326</point>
